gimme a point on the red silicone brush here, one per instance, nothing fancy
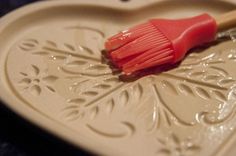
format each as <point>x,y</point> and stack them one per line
<point>163,41</point>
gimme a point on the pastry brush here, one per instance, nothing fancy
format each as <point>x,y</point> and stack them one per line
<point>164,41</point>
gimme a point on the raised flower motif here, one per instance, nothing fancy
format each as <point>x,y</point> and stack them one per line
<point>173,146</point>
<point>34,81</point>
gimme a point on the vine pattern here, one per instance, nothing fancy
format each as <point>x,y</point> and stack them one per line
<point>212,82</point>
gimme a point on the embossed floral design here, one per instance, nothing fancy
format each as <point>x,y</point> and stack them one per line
<point>106,107</point>
<point>87,92</point>
<point>82,62</point>
<point>95,94</point>
<point>34,81</point>
<point>173,146</point>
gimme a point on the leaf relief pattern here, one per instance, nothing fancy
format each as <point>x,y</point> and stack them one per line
<point>97,95</point>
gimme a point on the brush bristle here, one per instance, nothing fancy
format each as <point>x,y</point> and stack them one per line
<point>140,47</point>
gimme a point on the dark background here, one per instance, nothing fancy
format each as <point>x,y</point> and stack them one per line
<point>18,137</point>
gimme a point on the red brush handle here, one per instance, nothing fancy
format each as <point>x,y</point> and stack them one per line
<point>185,34</point>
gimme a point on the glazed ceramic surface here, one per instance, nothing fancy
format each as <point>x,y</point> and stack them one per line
<point>53,75</point>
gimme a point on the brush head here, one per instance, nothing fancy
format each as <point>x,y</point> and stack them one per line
<point>158,42</point>
<point>140,47</point>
